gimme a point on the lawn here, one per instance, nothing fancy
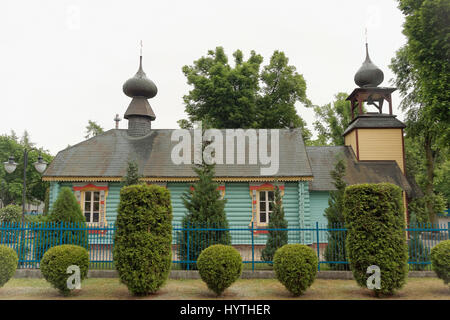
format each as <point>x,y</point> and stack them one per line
<point>251,289</point>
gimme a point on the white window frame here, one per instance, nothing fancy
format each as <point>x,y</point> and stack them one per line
<point>91,209</point>
<point>267,207</point>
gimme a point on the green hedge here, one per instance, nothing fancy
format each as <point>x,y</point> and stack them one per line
<point>374,217</point>
<point>57,259</point>
<point>8,264</point>
<point>440,260</point>
<point>143,239</point>
<point>295,266</point>
<point>219,267</point>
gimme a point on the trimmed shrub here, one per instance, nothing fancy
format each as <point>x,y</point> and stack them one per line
<point>219,267</point>
<point>295,266</point>
<point>375,221</point>
<point>8,264</point>
<point>142,248</point>
<point>56,260</point>
<point>440,260</point>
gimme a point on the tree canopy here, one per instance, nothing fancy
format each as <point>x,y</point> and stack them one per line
<point>93,129</point>
<point>11,184</point>
<point>245,95</point>
<point>422,73</point>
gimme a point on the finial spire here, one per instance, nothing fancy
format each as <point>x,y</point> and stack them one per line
<point>141,48</point>
<point>117,119</point>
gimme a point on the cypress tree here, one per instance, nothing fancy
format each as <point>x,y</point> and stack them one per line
<point>132,176</point>
<point>335,250</point>
<point>276,238</point>
<point>205,209</point>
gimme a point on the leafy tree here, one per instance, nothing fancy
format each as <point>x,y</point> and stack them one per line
<point>132,176</point>
<point>276,238</point>
<point>335,250</point>
<point>422,69</point>
<point>66,208</point>
<point>244,95</point>
<point>205,209</point>
<point>332,120</point>
<point>11,184</point>
<point>93,129</point>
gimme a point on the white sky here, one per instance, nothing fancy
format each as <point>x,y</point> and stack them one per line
<point>63,63</point>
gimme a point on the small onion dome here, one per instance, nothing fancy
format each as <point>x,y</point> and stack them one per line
<point>368,75</point>
<point>140,85</point>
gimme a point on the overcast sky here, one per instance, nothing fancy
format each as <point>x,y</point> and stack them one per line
<point>64,62</point>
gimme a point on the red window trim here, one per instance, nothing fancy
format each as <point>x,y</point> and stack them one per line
<point>90,186</point>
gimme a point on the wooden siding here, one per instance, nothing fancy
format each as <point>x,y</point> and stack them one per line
<point>350,140</point>
<point>381,144</point>
<point>319,202</point>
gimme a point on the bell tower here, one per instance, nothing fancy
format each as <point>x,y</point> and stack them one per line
<point>374,135</point>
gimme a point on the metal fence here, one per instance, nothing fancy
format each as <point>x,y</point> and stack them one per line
<point>31,240</point>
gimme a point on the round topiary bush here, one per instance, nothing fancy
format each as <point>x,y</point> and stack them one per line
<point>219,267</point>
<point>143,240</point>
<point>8,264</point>
<point>440,260</point>
<point>375,220</point>
<point>295,267</point>
<point>57,259</point>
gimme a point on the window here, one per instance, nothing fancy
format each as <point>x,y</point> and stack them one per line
<point>92,206</point>
<point>265,206</point>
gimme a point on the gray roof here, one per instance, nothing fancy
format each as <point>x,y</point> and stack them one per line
<point>323,160</point>
<point>107,155</point>
<point>374,120</point>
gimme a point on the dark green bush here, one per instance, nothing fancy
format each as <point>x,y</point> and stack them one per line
<point>219,267</point>
<point>295,266</point>
<point>56,260</point>
<point>440,260</point>
<point>65,212</point>
<point>8,264</point>
<point>374,217</point>
<point>143,239</point>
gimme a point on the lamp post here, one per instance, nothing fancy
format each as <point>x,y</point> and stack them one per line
<point>40,166</point>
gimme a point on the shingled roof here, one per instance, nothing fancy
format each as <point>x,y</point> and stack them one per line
<point>107,155</point>
<point>374,120</point>
<point>323,160</point>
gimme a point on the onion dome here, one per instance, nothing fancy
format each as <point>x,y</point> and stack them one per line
<point>140,85</point>
<point>368,75</point>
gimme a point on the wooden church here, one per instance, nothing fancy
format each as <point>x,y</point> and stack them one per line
<point>373,152</point>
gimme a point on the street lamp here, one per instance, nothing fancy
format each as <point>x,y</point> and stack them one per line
<point>39,165</point>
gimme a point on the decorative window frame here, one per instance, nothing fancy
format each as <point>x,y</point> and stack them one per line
<point>80,189</point>
<point>220,188</point>
<point>255,189</point>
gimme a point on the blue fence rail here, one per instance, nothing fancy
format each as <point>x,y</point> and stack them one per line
<point>31,240</point>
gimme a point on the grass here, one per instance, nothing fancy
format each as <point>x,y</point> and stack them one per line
<point>251,289</point>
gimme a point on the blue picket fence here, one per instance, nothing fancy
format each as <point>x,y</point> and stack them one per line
<point>31,240</point>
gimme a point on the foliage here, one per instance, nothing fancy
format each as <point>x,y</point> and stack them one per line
<point>56,260</point>
<point>11,184</point>
<point>93,129</point>
<point>295,267</point>
<point>8,263</point>
<point>206,209</point>
<point>422,69</point>
<point>244,95</point>
<point>65,211</point>
<point>132,176</point>
<point>11,214</point>
<point>440,260</point>
<point>47,201</point>
<point>275,239</point>
<point>143,239</point>
<point>418,207</point>
<point>374,217</point>
<point>335,250</point>
<point>219,267</point>
<point>332,120</point>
